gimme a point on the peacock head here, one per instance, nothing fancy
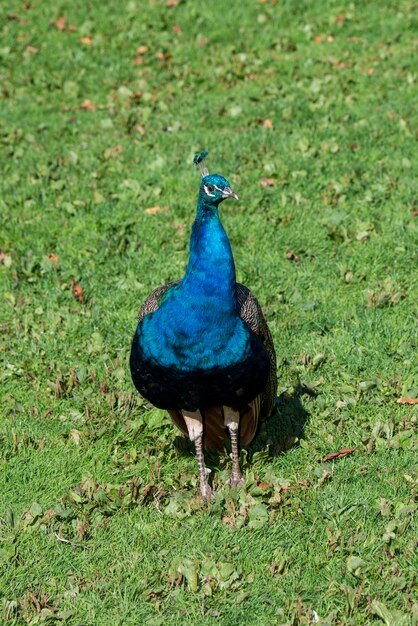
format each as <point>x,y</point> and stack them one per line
<point>214,188</point>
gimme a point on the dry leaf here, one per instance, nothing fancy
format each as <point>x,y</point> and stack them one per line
<point>138,60</point>
<point>414,213</point>
<point>338,455</point>
<point>163,56</point>
<point>114,151</point>
<point>78,293</point>
<point>142,49</point>
<point>267,182</point>
<point>172,3</point>
<point>140,129</point>
<point>60,23</point>
<point>263,485</point>
<point>53,257</point>
<point>87,105</point>
<point>293,257</point>
<point>153,210</point>
<point>25,6</point>
<point>227,520</point>
<point>267,124</point>
<point>71,28</point>
<point>177,29</point>
<point>408,401</point>
<point>87,40</point>
<point>31,50</point>
<point>340,18</point>
<point>75,436</point>
<point>6,259</point>
<point>179,228</point>
<point>320,39</point>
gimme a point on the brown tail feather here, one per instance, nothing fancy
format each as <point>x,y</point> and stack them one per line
<point>214,430</point>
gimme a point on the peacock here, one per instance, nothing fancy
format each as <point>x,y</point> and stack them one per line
<point>202,349</point>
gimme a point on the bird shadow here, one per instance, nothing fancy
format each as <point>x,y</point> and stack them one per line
<point>282,431</point>
<point>286,426</point>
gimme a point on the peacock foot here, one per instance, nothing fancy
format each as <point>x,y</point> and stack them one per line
<point>206,491</point>
<point>235,480</point>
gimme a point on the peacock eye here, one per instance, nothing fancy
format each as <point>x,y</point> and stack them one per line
<point>210,188</point>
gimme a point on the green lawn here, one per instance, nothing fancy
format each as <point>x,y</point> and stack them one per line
<point>310,110</point>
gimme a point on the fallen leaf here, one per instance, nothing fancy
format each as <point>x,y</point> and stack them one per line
<point>177,29</point>
<point>293,257</point>
<point>267,124</point>
<point>263,485</point>
<point>6,259</point>
<point>71,28</point>
<point>172,3</point>
<point>163,56</point>
<point>142,49</point>
<point>267,182</point>
<point>138,60</point>
<point>25,6</point>
<point>53,257</point>
<point>78,293</point>
<point>87,40</point>
<point>319,39</point>
<point>414,213</point>
<point>114,151</point>
<point>179,228</point>
<point>340,18</point>
<point>31,50</point>
<point>140,129</point>
<point>153,210</point>
<point>338,455</point>
<point>227,520</point>
<point>362,235</point>
<point>408,401</point>
<point>60,23</point>
<point>87,105</point>
<point>356,565</point>
<point>75,436</point>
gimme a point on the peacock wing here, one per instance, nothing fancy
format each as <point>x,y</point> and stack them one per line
<point>152,303</point>
<point>262,406</point>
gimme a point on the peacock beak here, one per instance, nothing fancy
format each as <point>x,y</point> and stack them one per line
<point>228,193</point>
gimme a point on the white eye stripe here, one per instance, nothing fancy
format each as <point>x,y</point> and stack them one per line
<point>212,195</point>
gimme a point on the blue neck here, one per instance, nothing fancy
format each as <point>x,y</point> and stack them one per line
<point>203,304</point>
<point>211,268</point>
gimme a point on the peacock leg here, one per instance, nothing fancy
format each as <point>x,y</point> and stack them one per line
<point>231,420</point>
<point>194,423</point>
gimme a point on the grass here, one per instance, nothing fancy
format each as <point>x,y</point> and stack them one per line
<point>99,523</point>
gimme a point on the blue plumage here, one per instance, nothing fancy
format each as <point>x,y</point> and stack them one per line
<point>193,349</point>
